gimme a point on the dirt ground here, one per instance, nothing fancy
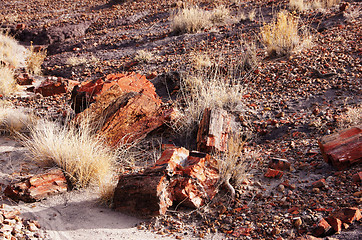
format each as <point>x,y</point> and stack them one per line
<point>290,103</point>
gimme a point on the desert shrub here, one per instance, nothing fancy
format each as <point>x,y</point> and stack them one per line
<point>11,53</point>
<point>190,20</point>
<point>281,36</point>
<point>219,15</point>
<point>143,56</point>
<point>34,60</point>
<point>352,117</point>
<point>302,5</point>
<point>14,120</point>
<point>234,164</point>
<point>84,157</point>
<point>7,81</point>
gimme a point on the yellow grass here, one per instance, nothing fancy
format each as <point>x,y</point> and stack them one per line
<point>13,120</point>
<point>190,20</point>
<point>143,56</point>
<point>11,53</point>
<point>34,60</point>
<point>85,159</point>
<point>281,36</point>
<point>303,5</point>
<point>7,81</point>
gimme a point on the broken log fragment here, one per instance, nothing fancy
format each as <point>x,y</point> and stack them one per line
<point>38,186</point>
<point>214,129</point>
<point>178,177</point>
<point>342,149</point>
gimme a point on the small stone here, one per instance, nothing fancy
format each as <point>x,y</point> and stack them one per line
<point>280,114</point>
<point>316,190</point>
<point>357,177</point>
<point>271,173</point>
<point>319,184</point>
<point>280,188</point>
<point>297,222</point>
<point>32,227</point>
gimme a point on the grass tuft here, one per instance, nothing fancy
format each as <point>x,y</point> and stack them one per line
<point>11,53</point>
<point>34,60</point>
<point>85,159</point>
<point>143,56</point>
<point>7,81</point>
<point>281,37</point>
<point>14,120</point>
<point>190,20</point>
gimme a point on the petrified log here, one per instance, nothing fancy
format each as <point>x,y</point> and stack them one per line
<point>38,187</point>
<point>126,108</point>
<point>342,149</point>
<point>178,177</point>
<point>213,130</point>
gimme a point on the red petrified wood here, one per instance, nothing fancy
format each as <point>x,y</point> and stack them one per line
<point>213,130</point>
<point>125,108</point>
<point>55,86</point>
<point>177,177</point>
<point>38,187</point>
<point>343,148</point>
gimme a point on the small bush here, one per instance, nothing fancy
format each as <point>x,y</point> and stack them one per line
<point>281,36</point>
<point>190,20</point>
<point>352,117</point>
<point>220,15</point>
<point>7,81</point>
<point>34,60</point>
<point>11,53</point>
<point>85,159</point>
<point>143,56</point>
<point>302,5</point>
<point>13,120</point>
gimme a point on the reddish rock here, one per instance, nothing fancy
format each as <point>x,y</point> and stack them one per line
<point>322,229</point>
<point>279,164</point>
<point>24,79</point>
<point>38,187</point>
<point>177,177</point>
<point>272,173</point>
<point>55,86</point>
<point>214,129</point>
<point>335,223</point>
<point>357,177</point>
<point>348,215</point>
<point>321,183</point>
<point>152,75</point>
<point>343,148</point>
<point>126,107</point>
<point>343,6</point>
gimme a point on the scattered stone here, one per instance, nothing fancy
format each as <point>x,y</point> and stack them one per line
<point>297,222</point>
<point>24,79</point>
<point>348,215</point>
<point>178,177</point>
<point>319,184</point>
<point>38,187</point>
<point>55,86</point>
<point>357,177</point>
<point>279,164</point>
<point>342,149</point>
<point>323,228</point>
<point>214,130</point>
<point>272,173</point>
<point>335,223</point>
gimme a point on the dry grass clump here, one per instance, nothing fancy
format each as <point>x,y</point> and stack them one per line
<point>201,61</point>
<point>206,90</point>
<point>143,56</point>
<point>220,15</point>
<point>14,120</point>
<point>235,163</point>
<point>11,53</point>
<point>302,5</point>
<point>85,159</point>
<point>352,117</point>
<point>190,20</point>
<point>7,81</point>
<point>34,60</point>
<point>281,37</point>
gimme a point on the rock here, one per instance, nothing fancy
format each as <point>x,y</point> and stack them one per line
<point>342,149</point>
<point>272,173</point>
<point>38,187</point>
<point>178,177</point>
<point>126,107</point>
<point>214,129</point>
<point>335,223</point>
<point>343,6</point>
<point>357,177</point>
<point>348,215</point>
<point>279,164</point>
<point>297,222</point>
<point>323,228</point>
<point>321,183</point>
<point>24,79</point>
<point>307,237</point>
<point>55,86</point>
<point>152,75</point>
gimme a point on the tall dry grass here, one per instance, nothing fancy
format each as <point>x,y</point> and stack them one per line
<point>84,157</point>
<point>11,53</point>
<point>14,120</point>
<point>303,5</point>
<point>8,83</point>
